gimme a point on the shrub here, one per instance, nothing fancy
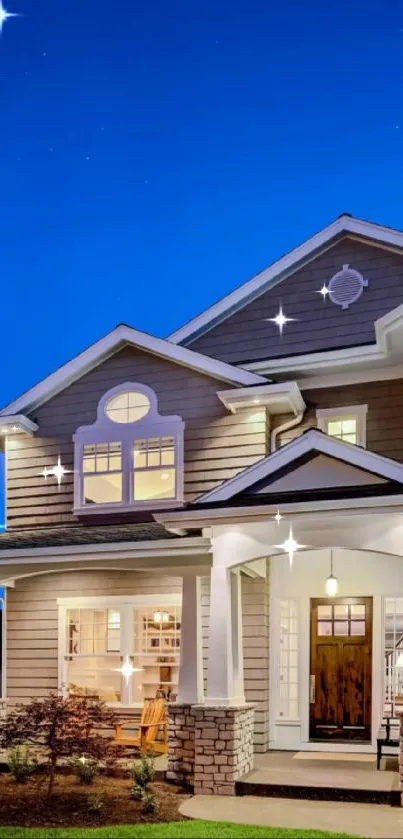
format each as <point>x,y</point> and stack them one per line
<point>142,774</point>
<point>96,802</point>
<point>85,769</point>
<point>64,727</point>
<point>149,801</point>
<point>20,763</point>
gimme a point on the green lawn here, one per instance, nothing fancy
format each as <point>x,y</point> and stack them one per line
<point>174,830</point>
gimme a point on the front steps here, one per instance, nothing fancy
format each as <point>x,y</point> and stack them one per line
<point>280,775</point>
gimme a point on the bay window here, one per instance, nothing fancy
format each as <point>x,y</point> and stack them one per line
<point>131,457</point>
<point>119,649</point>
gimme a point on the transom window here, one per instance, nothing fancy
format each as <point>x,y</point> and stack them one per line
<point>140,636</point>
<point>132,457</point>
<point>347,424</point>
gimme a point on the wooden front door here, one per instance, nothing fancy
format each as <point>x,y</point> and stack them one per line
<point>341,668</point>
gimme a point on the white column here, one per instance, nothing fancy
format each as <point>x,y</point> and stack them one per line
<point>225,659</point>
<point>190,683</point>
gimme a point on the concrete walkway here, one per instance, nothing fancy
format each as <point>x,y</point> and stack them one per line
<point>375,821</point>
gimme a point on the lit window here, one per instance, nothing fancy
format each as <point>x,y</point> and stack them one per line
<point>128,406</point>
<point>154,468</point>
<point>347,424</point>
<point>99,640</point>
<point>102,473</point>
<point>131,457</point>
<point>393,645</point>
<point>288,684</point>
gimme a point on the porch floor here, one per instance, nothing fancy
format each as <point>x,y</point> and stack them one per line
<point>279,774</point>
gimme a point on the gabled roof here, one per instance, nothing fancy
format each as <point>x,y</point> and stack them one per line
<point>122,336</point>
<point>287,264</point>
<point>312,443</point>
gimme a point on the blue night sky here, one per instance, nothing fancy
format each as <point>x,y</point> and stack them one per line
<point>153,155</point>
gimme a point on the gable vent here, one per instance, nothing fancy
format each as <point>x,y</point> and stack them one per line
<point>346,287</point>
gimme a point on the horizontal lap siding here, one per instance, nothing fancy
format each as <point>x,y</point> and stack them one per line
<point>217,444</point>
<point>384,417</point>
<point>32,621</point>
<point>32,630</point>
<point>246,335</point>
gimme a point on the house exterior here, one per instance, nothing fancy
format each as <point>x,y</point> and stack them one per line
<point>219,515</point>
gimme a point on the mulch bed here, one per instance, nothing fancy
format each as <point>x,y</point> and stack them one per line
<point>26,805</point>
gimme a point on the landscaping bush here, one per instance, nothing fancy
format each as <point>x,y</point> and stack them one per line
<point>85,769</point>
<point>96,802</point>
<point>64,728</point>
<point>20,763</point>
<point>143,774</point>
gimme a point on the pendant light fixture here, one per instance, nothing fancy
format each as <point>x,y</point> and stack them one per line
<point>332,584</point>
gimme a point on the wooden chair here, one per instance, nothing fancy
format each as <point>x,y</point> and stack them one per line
<point>153,718</point>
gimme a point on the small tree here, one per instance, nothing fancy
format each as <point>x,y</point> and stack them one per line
<point>66,727</point>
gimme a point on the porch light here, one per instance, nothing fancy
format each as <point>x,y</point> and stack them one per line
<point>290,546</point>
<point>160,617</point>
<point>332,583</point>
<point>127,669</point>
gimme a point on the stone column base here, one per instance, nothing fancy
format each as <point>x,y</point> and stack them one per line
<point>181,743</point>
<point>223,747</point>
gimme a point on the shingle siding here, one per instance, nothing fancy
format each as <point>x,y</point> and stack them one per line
<point>32,630</point>
<point>246,336</point>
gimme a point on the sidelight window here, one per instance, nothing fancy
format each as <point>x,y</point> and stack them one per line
<point>288,676</point>
<point>393,644</point>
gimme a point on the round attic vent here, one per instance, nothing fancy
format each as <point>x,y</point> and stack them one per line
<point>346,287</point>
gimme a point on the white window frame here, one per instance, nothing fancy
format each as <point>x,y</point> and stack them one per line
<point>105,430</point>
<point>356,412</point>
<point>126,606</point>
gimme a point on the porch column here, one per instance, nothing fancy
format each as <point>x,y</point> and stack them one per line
<point>190,682</point>
<point>225,657</point>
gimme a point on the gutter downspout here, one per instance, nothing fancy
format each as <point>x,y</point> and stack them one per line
<point>285,427</point>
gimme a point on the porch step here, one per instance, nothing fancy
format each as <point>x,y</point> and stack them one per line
<point>311,793</point>
<point>279,775</point>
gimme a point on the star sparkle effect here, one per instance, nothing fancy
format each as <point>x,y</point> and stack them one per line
<point>57,471</point>
<point>324,291</point>
<point>5,15</point>
<point>280,320</point>
<point>290,547</point>
<point>127,669</point>
<point>278,518</point>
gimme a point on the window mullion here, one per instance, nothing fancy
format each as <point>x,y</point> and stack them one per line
<point>126,651</point>
<point>127,449</point>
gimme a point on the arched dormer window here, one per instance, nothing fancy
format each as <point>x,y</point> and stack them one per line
<point>131,457</point>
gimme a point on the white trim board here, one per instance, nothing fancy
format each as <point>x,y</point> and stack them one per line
<point>110,344</point>
<point>344,224</point>
<point>311,441</point>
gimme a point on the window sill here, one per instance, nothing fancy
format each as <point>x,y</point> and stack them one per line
<point>100,509</point>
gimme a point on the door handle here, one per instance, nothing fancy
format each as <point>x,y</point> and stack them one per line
<point>312,689</point>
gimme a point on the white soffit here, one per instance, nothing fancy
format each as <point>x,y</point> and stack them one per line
<point>283,398</point>
<point>110,344</point>
<point>311,441</point>
<point>284,266</point>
